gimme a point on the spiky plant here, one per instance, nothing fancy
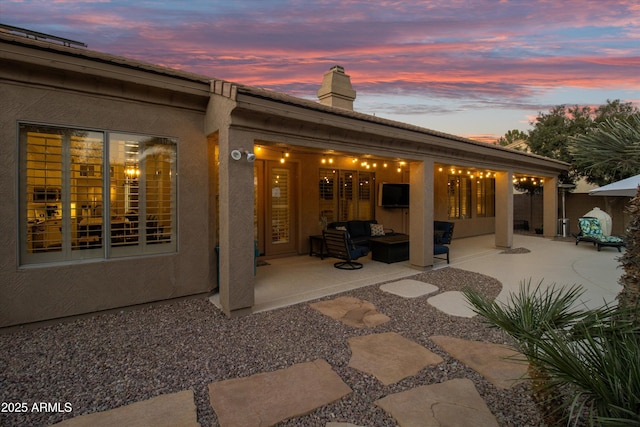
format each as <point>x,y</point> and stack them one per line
<point>557,337</point>
<point>531,312</point>
<point>597,376</point>
<point>609,152</point>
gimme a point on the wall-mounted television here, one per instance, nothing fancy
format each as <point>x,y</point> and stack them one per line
<point>393,195</point>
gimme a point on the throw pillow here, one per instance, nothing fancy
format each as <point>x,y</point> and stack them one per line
<point>341,228</point>
<point>377,230</point>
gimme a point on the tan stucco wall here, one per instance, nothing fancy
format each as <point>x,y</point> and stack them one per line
<point>55,85</point>
<point>33,293</point>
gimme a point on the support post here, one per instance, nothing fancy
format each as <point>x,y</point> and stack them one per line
<point>236,205</point>
<point>421,208</point>
<point>504,209</point>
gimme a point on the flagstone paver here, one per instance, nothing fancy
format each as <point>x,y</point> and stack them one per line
<point>351,311</point>
<point>409,288</point>
<point>389,356</point>
<point>268,398</point>
<point>451,403</point>
<point>453,303</point>
<point>170,410</point>
<point>502,365</point>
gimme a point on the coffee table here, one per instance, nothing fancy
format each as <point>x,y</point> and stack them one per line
<point>390,249</point>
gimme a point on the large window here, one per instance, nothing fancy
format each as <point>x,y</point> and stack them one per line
<point>346,194</point>
<point>459,188</point>
<point>92,194</point>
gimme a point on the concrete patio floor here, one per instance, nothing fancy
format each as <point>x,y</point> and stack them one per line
<point>288,281</point>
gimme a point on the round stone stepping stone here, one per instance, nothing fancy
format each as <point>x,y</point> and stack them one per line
<point>409,288</point>
<point>389,357</point>
<point>453,303</point>
<point>451,403</point>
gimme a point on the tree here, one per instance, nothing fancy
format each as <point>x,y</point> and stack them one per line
<point>615,109</point>
<point>553,132</point>
<point>512,136</point>
<point>610,152</point>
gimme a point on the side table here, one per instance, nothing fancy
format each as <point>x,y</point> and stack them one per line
<point>316,246</point>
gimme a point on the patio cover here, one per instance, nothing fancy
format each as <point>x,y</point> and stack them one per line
<point>626,187</point>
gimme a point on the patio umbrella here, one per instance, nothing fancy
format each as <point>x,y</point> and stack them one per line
<point>626,187</point>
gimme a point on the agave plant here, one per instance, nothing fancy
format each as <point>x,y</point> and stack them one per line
<point>577,357</point>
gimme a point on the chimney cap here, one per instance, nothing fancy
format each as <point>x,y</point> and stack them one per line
<point>337,68</point>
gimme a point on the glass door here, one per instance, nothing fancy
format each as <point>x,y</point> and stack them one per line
<point>281,234</point>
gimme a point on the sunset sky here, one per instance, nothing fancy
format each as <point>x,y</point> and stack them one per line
<point>466,67</point>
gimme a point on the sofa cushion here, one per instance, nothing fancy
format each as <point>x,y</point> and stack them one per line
<point>377,230</point>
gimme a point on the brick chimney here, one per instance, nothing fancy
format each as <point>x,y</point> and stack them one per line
<point>336,90</point>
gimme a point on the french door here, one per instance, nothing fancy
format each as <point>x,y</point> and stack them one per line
<point>276,208</point>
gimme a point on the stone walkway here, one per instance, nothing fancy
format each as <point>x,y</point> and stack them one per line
<point>267,398</point>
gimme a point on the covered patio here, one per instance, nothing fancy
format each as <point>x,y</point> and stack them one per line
<point>287,281</point>
<point>284,165</point>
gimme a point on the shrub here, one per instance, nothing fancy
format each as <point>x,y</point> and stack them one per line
<point>584,364</point>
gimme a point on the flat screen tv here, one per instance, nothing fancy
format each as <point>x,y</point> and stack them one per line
<point>393,195</point>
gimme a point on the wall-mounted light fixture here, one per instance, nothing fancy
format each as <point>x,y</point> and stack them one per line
<point>237,155</point>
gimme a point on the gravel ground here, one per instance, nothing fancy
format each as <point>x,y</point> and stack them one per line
<point>108,360</point>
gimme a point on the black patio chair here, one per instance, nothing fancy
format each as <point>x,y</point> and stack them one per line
<point>339,245</point>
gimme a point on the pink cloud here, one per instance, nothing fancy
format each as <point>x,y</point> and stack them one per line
<point>498,53</point>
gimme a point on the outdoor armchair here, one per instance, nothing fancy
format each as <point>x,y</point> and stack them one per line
<point>339,245</point>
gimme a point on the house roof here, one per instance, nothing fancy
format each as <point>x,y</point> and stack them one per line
<point>231,89</point>
<point>80,52</point>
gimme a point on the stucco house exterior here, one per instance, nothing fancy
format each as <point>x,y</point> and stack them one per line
<point>126,183</point>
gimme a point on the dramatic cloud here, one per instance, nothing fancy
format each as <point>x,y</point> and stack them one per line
<point>430,57</point>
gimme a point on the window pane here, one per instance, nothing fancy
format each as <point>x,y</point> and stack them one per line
<point>459,188</point>
<point>327,182</point>
<point>60,172</point>
<point>365,195</point>
<point>159,156</point>
<point>280,204</point>
<point>142,192</point>
<point>43,174</point>
<point>86,191</point>
<point>345,207</point>
<point>485,195</point>
<point>124,185</point>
